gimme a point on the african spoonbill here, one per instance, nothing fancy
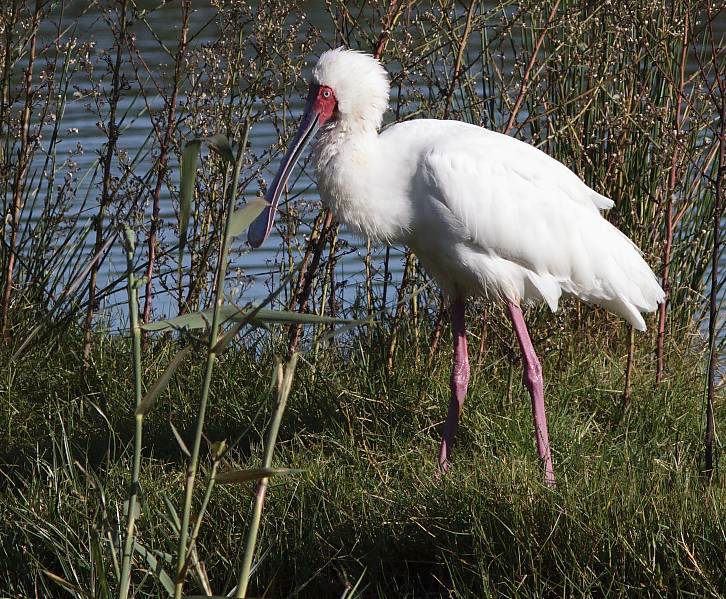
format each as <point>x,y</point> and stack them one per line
<point>486,214</point>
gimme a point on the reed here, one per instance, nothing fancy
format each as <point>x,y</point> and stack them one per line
<point>132,502</point>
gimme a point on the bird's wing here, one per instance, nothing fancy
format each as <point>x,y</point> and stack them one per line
<point>517,202</point>
<point>510,201</point>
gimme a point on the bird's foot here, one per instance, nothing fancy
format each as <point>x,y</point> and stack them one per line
<point>549,477</point>
<point>442,468</point>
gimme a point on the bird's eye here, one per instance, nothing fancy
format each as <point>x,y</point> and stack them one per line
<point>326,93</point>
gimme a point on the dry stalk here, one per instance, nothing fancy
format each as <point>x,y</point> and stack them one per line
<point>720,84</point>
<point>24,158</point>
<point>107,191</point>
<point>672,181</point>
<point>524,86</point>
<point>310,266</point>
<point>165,144</point>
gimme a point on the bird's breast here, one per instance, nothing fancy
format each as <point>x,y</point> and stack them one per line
<point>355,184</point>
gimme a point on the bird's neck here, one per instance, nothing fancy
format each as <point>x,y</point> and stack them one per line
<point>352,176</point>
<point>341,138</point>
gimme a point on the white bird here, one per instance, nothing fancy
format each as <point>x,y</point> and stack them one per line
<point>486,214</point>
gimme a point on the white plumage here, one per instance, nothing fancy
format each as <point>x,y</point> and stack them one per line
<point>360,83</point>
<point>487,215</point>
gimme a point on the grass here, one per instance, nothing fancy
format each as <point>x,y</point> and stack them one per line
<point>630,514</point>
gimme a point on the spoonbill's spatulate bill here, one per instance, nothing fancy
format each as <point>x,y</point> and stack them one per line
<point>487,215</point>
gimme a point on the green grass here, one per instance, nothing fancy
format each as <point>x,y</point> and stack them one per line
<point>630,514</point>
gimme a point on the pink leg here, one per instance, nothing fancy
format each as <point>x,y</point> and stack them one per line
<point>459,382</point>
<point>533,381</point>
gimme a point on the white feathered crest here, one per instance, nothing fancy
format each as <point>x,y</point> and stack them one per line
<point>360,84</point>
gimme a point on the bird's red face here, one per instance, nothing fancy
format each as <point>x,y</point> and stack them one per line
<point>320,108</point>
<point>324,102</point>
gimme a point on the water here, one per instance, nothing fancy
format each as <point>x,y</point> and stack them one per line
<point>79,129</point>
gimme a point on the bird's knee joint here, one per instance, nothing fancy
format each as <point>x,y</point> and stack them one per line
<point>460,374</point>
<point>460,379</point>
<point>533,373</point>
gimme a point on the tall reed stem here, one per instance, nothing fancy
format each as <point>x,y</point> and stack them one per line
<point>524,86</point>
<point>307,276</point>
<point>460,56</point>
<point>627,389</point>
<point>165,146</point>
<point>230,193</point>
<point>284,383</point>
<point>406,281</point>
<point>131,514</point>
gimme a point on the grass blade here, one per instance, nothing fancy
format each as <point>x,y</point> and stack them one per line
<point>64,583</point>
<point>243,476</point>
<point>172,517</point>
<point>156,568</point>
<point>220,144</point>
<point>195,320</point>
<point>242,218</point>
<point>150,399</point>
<point>189,162</point>
<point>180,441</point>
<point>231,313</point>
